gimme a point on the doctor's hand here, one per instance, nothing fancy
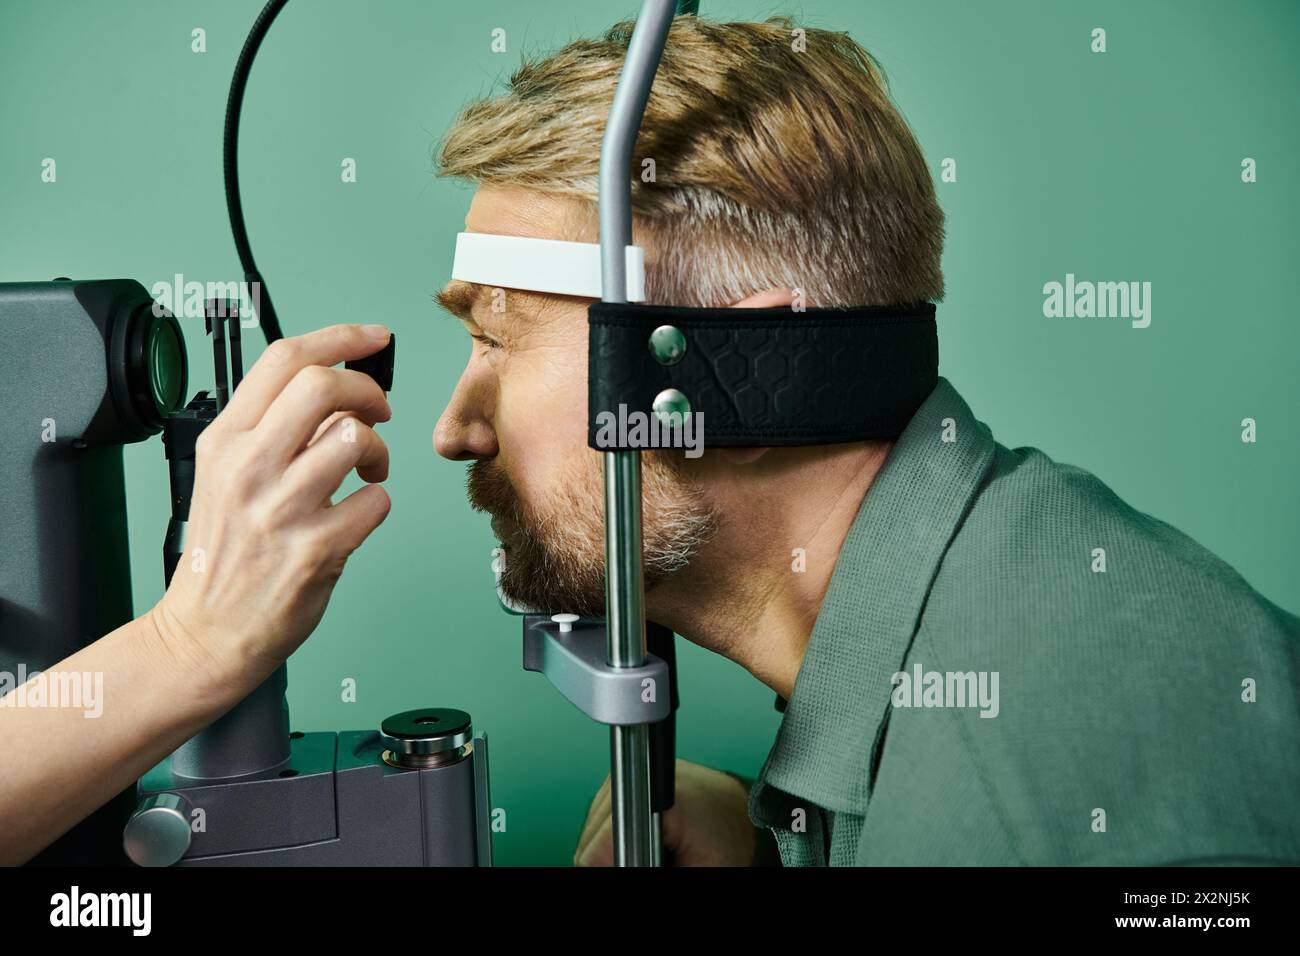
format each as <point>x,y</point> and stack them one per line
<point>265,544</point>
<point>708,824</point>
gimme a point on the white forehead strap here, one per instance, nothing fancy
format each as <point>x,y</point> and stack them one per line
<point>540,265</point>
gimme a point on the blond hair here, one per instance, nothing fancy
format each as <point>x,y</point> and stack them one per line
<point>776,163</point>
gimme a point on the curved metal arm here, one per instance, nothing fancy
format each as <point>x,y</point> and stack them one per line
<point>635,839</point>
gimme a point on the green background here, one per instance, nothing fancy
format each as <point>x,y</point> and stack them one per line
<point>1115,166</point>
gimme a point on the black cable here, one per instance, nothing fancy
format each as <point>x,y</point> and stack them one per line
<point>229,150</point>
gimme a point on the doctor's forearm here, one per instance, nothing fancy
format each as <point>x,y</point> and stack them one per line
<point>62,763</point>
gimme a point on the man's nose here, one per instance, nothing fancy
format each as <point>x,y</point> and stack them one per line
<point>464,431</point>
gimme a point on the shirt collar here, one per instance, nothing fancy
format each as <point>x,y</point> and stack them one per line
<point>826,743</point>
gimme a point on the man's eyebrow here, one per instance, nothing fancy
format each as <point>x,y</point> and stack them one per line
<point>459,297</point>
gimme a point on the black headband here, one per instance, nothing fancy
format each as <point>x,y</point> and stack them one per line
<point>763,376</point>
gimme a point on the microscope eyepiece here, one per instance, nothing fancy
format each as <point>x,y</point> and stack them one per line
<point>165,353</point>
<point>148,371</point>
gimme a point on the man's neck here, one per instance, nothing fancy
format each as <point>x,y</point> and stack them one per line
<point>753,595</point>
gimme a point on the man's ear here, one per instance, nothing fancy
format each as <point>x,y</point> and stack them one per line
<point>741,456</point>
<point>767,299</point>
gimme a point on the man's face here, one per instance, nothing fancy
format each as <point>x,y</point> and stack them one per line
<point>519,413</point>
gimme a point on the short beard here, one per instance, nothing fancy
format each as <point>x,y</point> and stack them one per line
<point>554,558</point>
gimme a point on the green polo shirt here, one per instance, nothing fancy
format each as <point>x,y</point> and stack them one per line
<point>1139,699</point>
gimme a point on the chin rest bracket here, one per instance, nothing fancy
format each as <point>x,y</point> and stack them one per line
<point>575,662</point>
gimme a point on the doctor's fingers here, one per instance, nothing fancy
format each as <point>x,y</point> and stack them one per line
<point>282,360</point>
<point>599,848</point>
<point>347,524</point>
<point>597,816</point>
<point>324,426</point>
<point>317,472</point>
<point>313,395</point>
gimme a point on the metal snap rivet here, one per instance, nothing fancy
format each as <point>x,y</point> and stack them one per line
<point>667,344</point>
<point>671,407</point>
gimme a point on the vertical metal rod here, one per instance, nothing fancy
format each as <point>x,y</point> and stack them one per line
<point>629,746</point>
<point>236,353</point>
<point>633,828</point>
<point>217,323</point>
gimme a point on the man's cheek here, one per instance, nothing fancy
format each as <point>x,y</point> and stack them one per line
<point>536,411</point>
<point>534,459</point>
<point>553,383</point>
